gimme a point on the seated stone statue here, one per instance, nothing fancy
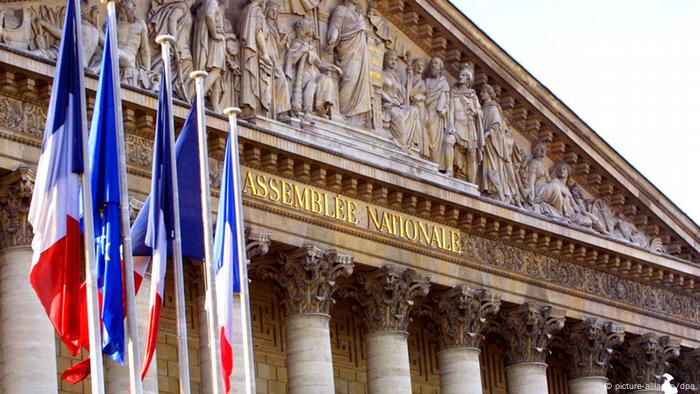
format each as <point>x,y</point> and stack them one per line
<point>401,119</point>
<point>313,90</point>
<point>554,198</point>
<point>534,174</point>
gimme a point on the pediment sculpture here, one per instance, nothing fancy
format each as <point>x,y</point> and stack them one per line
<point>303,61</point>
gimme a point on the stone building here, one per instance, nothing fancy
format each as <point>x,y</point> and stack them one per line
<point>423,215</point>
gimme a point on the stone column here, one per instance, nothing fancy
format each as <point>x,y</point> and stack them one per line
<point>386,296</point>
<point>528,330</point>
<point>686,372</point>
<point>117,376</point>
<point>461,317</point>
<point>28,348</point>
<point>589,345</point>
<point>307,277</point>
<point>645,359</point>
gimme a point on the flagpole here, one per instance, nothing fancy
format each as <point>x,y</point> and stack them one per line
<point>216,378</point>
<point>248,362</point>
<point>93,312</point>
<point>134,353</point>
<point>165,42</point>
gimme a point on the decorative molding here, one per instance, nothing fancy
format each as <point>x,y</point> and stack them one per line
<point>307,277</point>
<point>386,296</point>
<point>15,197</point>
<point>527,330</point>
<point>461,315</point>
<point>589,343</point>
<point>646,358</point>
<point>257,243</point>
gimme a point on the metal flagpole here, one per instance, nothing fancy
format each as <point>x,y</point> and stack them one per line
<point>165,42</point>
<point>93,312</point>
<point>132,345</point>
<point>216,378</point>
<point>248,362</point>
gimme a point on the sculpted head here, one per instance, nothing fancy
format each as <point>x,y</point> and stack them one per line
<point>487,92</point>
<point>126,11</point>
<point>560,171</point>
<point>391,60</point>
<point>419,66</point>
<point>539,150</point>
<point>466,76</point>
<point>272,8</point>
<point>304,29</point>
<point>435,68</point>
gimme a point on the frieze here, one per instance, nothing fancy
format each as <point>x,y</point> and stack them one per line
<point>584,279</point>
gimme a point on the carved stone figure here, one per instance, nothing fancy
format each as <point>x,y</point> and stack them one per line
<point>436,104</point>
<point>50,26</point>
<point>554,198</point>
<point>465,140</point>
<point>303,7</point>
<point>417,96</point>
<point>209,46</point>
<point>312,87</point>
<point>498,177</point>
<point>16,28</point>
<point>347,37</point>
<point>230,80</point>
<point>264,88</point>
<point>134,49</point>
<point>173,17</point>
<point>534,173</point>
<point>401,119</point>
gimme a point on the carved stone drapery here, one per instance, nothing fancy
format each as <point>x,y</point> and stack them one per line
<point>646,358</point>
<point>527,330</point>
<point>590,345</point>
<point>461,316</point>
<point>307,277</point>
<point>15,197</point>
<point>686,372</point>
<point>387,295</point>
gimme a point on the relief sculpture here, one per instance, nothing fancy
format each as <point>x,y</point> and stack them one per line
<point>306,60</point>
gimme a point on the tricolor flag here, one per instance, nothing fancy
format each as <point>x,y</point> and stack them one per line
<point>146,247</point>
<point>55,207</point>
<point>227,241</point>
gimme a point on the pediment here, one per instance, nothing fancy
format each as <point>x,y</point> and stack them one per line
<point>303,85</point>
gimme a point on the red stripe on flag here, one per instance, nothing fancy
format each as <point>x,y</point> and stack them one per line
<point>152,338</point>
<point>226,360</point>
<point>56,281</point>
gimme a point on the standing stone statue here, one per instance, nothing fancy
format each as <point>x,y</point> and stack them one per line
<point>436,103</point>
<point>465,141</point>
<point>402,120</point>
<point>209,46</point>
<point>173,17</point>
<point>417,95</point>
<point>496,175</point>
<point>348,37</point>
<point>134,48</point>
<point>264,88</point>
<point>312,87</point>
<point>230,79</point>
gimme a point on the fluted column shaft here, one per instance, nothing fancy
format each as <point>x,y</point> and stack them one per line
<point>28,350</point>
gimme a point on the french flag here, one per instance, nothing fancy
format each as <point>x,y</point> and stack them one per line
<point>55,207</point>
<point>229,252</point>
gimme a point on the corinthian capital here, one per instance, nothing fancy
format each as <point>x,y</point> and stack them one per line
<point>387,296</point>
<point>528,330</point>
<point>590,344</point>
<point>646,358</point>
<point>461,315</point>
<point>15,197</point>
<point>686,372</point>
<point>307,277</point>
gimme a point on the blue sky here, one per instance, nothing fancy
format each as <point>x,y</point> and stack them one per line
<point>628,68</point>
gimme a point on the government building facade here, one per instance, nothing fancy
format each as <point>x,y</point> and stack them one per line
<point>422,215</point>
